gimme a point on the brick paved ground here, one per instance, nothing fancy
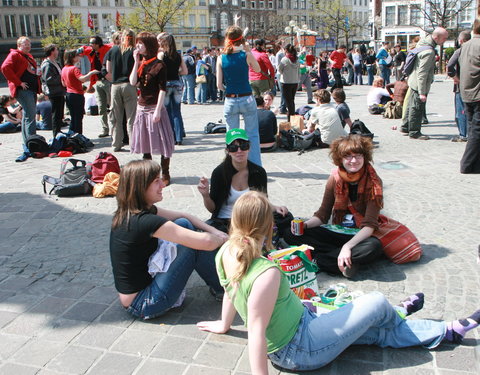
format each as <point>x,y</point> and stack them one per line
<point>59,313</point>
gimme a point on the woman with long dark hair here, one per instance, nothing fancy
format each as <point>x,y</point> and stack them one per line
<point>175,68</point>
<point>152,132</point>
<point>289,69</point>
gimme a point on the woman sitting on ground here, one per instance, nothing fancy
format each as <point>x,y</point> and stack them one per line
<point>139,228</point>
<point>283,330</point>
<point>268,103</point>
<point>235,176</point>
<point>354,183</point>
<point>377,94</point>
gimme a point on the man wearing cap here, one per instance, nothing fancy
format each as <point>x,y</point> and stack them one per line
<point>189,78</point>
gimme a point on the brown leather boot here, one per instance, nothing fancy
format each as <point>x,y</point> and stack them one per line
<point>165,171</point>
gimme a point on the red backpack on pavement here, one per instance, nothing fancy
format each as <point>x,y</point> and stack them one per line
<point>104,163</point>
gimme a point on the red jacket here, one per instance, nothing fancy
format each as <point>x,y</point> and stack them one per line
<point>265,65</point>
<point>89,52</point>
<point>13,68</point>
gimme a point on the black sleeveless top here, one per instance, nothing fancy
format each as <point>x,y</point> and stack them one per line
<point>172,67</point>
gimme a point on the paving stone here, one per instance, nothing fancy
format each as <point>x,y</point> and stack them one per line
<point>63,330</point>
<point>53,306</point>
<point>176,349</point>
<point>27,325</point>
<point>358,368</point>
<point>15,369</point>
<point>455,358</point>
<point>15,283</point>
<point>218,355</point>
<point>19,303</point>
<point>73,290</point>
<point>6,317</point>
<point>187,327</point>
<point>37,352</point>
<point>408,357</point>
<point>137,342</point>
<point>99,335</point>
<point>116,364</point>
<point>154,366</point>
<point>103,295</point>
<point>9,344</point>
<point>85,311</point>
<point>411,370</point>
<point>116,315</point>
<point>199,370</point>
<point>75,360</point>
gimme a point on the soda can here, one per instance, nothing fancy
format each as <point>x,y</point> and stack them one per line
<point>297,226</point>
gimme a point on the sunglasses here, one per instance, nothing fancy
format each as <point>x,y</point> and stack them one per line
<point>244,146</point>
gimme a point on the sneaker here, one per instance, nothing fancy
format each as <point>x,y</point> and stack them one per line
<point>103,135</point>
<point>459,138</point>
<point>22,157</point>
<point>421,137</point>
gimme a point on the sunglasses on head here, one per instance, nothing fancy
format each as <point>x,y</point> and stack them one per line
<point>244,146</point>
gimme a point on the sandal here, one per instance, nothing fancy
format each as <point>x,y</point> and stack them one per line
<point>333,292</point>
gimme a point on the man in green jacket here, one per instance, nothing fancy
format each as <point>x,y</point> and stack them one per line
<point>420,81</point>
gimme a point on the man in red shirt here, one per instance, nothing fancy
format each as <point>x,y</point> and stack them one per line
<point>337,59</point>
<point>95,52</point>
<point>20,70</point>
<point>260,82</point>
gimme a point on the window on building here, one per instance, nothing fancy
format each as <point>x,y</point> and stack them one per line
<point>92,3</point>
<point>389,16</point>
<point>212,2</point>
<point>186,44</point>
<point>52,3</point>
<point>105,3</point>
<point>289,4</point>
<point>39,20</point>
<point>106,22</point>
<point>75,3</point>
<point>37,3</point>
<point>203,20</point>
<point>223,21</point>
<point>415,16</point>
<point>95,21</point>
<point>25,28</point>
<point>295,4</point>
<point>202,2</point>
<point>10,26</point>
<point>303,4</point>
<point>191,20</point>
<point>23,3</point>
<point>133,3</point>
<point>213,22</point>
<point>280,4</point>
<point>119,3</point>
<point>244,4</point>
<point>7,3</point>
<point>252,4</point>
<point>402,15</point>
<point>467,14</point>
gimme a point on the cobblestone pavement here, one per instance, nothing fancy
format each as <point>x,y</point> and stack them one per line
<point>58,308</point>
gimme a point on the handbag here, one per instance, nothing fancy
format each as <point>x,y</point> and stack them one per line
<point>400,245</point>
<point>296,263</point>
<point>201,79</point>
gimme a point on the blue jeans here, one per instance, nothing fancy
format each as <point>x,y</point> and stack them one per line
<point>460,116</point>
<point>28,101</point>
<point>247,107</point>
<point>369,320</point>
<point>173,101</point>
<point>385,73</point>
<point>157,298</point>
<point>9,127</point>
<point>358,78</point>
<point>188,88</point>
<point>370,75</point>
<point>202,93</point>
<point>350,74</point>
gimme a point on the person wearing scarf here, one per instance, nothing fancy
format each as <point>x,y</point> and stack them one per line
<point>289,69</point>
<point>152,132</point>
<point>353,198</point>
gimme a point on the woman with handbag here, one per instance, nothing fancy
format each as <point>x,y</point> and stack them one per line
<point>202,72</point>
<point>285,331</point>
<point>235,176</point>
<point>152,132</point>
<point>353,197</point>
<point>140,229</point>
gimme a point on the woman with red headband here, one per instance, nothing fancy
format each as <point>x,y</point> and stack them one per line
<point>232,70</point>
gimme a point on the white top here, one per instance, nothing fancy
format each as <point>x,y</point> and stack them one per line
<point>357,59</point>
<point>226,210</point>
<point>90,101</point>
<point>375,95</point>
<point>326,119</point>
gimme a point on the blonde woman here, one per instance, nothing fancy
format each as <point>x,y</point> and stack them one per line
<point>124,95</point>
<point>283,330</point>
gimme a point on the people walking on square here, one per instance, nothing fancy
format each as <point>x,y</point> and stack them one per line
<point>232,69</point>
<point>453,70</point>
<point>370,64</point>
<point>384,60</point>
<point>119,62</point>
<point>189,78</point>
<point>470,92</point>
<point>235,176</point>
<point>72,80</point>
<point>140,229</point>
<point>152,133</point>
<point>20,70</point>
<point>419,82</point>
<point>337,60</point>
<point>260,81</point>
<point>350,67</point>
<point>289,69</point>
<point>283,330</point>
<point>96,52</point>
<point>305,79</point>
<point>52,86</point>
<point>173,98</point>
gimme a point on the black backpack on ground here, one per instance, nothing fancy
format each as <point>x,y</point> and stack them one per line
<point>358,127</point>
<point>213,128</point>
<point>292,140</point>
<point>37,144</point>
<point>74,179</point>
<point>79,143</point>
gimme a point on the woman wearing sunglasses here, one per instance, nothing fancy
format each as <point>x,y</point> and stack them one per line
<point>235,176</point>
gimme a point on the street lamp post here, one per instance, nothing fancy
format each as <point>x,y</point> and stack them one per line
<point>291,29</point>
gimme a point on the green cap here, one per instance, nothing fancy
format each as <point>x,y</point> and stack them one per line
<point>234,134</point>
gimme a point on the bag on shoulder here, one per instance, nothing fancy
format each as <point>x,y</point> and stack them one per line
<point>201,79</point>
<point>104,163</point>
<point>358,127</point>
<point>393,110</point>
<point>37,144</point>
<point>213,128</point>
<point>74,179</point>
<point>411,57</point>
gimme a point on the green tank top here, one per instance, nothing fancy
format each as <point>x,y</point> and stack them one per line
<point>288,309</point>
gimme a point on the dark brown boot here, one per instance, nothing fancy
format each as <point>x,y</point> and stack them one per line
<point>165,171</point>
